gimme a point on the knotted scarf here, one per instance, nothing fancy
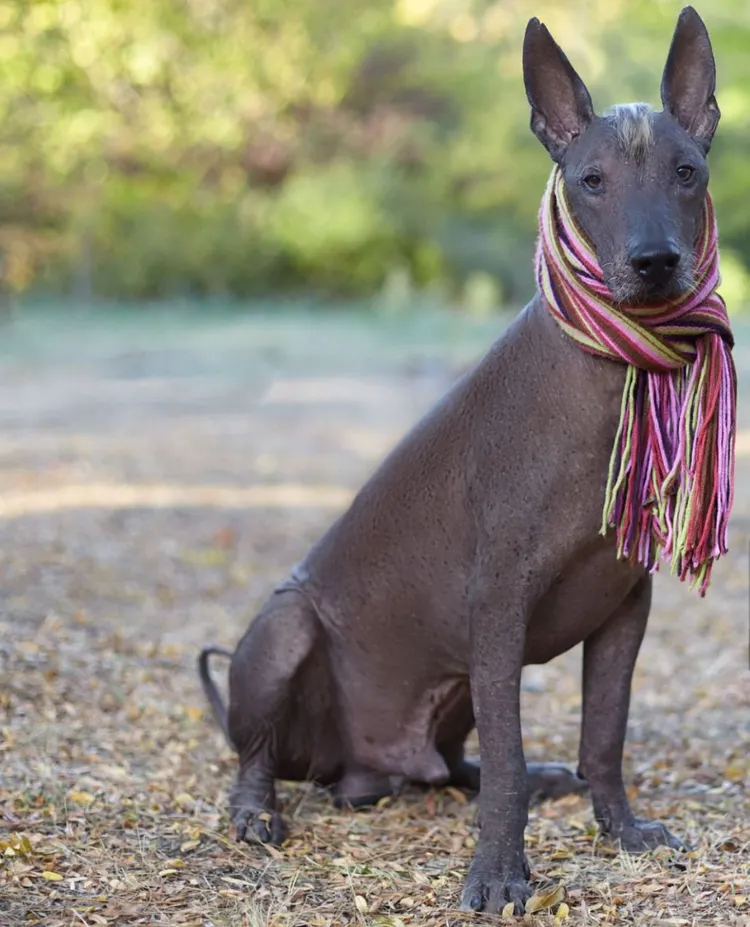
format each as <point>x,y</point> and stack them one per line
<point>670,483</point>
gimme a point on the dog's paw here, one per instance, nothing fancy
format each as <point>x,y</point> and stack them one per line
<point>641,836</point>
<point>356,802</point>
<point>254,825</point>
<point>489,890</point>
<point>548,781</point>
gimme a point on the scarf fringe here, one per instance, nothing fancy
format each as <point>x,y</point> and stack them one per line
<point>670,483</point>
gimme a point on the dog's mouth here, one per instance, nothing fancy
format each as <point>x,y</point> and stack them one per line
<point>628,289</point>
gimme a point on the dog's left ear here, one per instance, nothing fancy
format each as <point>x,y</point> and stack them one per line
<point>689,80</point>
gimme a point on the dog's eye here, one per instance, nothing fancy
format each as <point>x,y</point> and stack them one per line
<point>592,182</point>
<point>685,172</point>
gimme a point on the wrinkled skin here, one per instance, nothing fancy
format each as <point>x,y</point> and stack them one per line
<point>475,549</point>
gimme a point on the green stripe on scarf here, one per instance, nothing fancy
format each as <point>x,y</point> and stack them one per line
<point>670,483</point>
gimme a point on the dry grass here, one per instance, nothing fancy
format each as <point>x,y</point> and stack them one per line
<point>141,517</point>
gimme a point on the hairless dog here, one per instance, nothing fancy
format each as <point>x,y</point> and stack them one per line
<point>477,546</point>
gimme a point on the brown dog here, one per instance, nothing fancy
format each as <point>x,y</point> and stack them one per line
<point>475,548</point>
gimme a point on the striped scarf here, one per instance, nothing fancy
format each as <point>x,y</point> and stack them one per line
<point>670,484</point>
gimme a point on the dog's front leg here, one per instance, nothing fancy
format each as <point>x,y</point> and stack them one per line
<point>609,658</point>
<point>499,872</point>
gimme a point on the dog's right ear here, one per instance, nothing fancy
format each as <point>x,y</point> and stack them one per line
<point>560,103</point>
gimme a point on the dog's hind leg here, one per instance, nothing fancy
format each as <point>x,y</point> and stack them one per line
<point>546,780</point>
<point>270,717</point>
<point>362,788</point>
<point>455,728</point>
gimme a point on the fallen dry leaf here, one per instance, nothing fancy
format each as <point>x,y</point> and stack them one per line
<point>545,900</point>
<point>16,846</point>
<point>139,543</point>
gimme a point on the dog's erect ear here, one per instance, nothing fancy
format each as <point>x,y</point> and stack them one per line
<point>689,80</point>
<point>560,103</point>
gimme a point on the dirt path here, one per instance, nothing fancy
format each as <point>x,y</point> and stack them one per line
<point>155,480</point>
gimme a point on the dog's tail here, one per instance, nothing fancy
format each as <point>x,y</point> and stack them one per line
<point>211,691</point>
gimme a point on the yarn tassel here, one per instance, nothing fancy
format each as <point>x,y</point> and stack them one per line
<point>670,481</point>
<point>683,509</point>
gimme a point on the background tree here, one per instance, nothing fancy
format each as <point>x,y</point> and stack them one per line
<point>158,147</point>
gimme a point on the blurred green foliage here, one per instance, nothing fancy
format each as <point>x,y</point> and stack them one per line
<point>161,147</point>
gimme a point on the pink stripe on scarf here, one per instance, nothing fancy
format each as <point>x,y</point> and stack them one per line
<point>674,464</point>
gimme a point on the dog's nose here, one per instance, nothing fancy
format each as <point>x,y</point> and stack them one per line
<point>655,264</point>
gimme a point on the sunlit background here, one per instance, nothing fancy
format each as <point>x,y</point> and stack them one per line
<point>244,244</point>
<point>233,149</point>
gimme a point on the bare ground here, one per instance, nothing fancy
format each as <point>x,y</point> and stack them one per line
<point>157,478</point>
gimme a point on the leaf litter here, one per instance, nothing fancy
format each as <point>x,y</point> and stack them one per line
<point>114,780</point>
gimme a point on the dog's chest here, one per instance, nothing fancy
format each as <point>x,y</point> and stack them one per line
<point>580,599</point>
